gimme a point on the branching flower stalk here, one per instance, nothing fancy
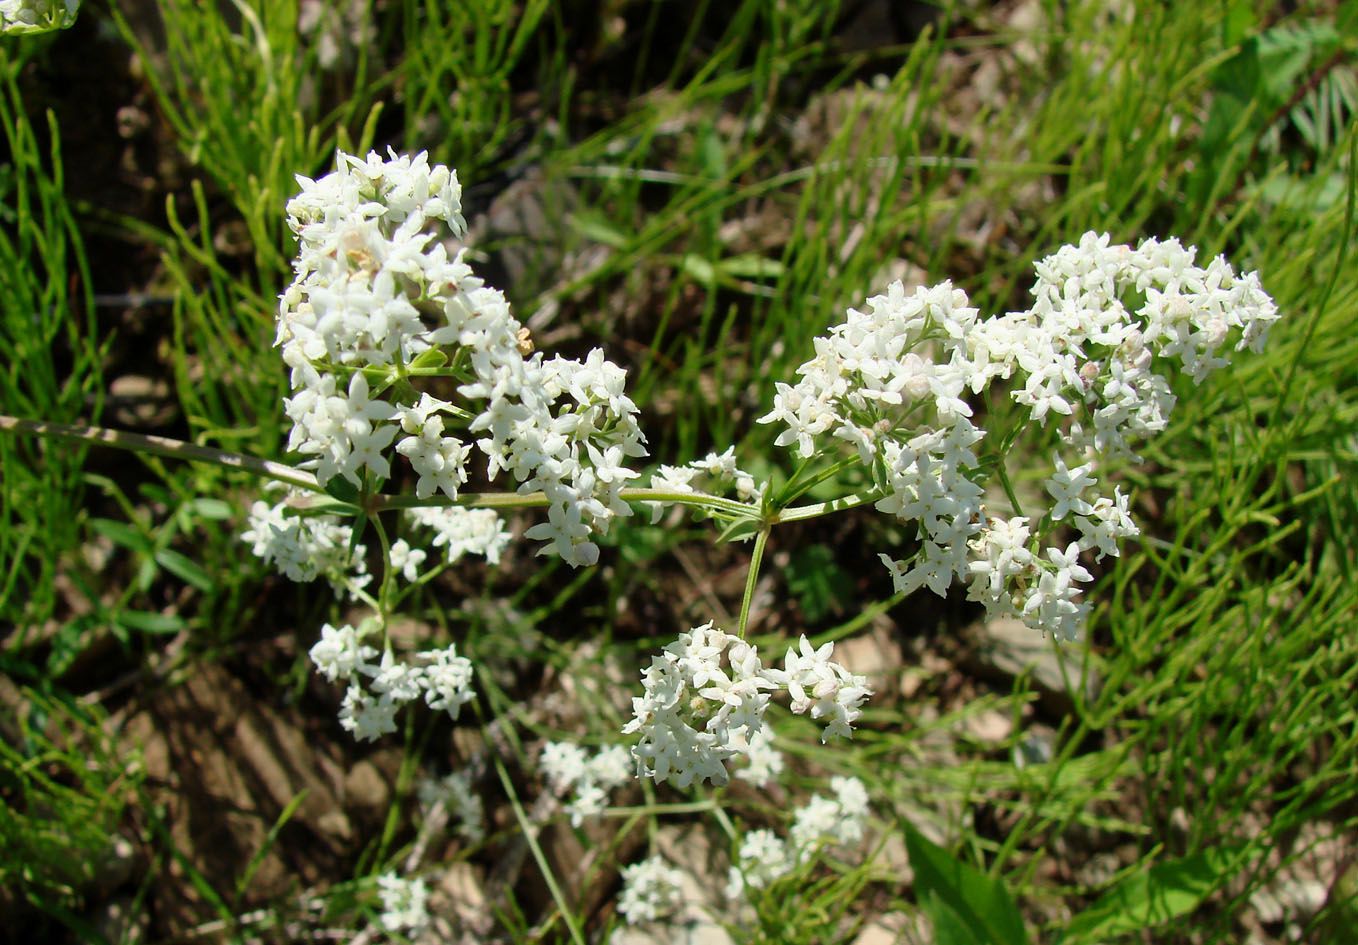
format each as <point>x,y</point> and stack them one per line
<point>398,352</point>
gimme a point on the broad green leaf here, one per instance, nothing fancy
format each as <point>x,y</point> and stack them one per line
<point>949,927</point>
<point>978,907</point>
<point>1146,899</point>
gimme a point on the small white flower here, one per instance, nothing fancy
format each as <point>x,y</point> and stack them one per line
<point>338,654</point>
<point>368,717</point>
<point>766,763</point>
<point>405,559</point>
<point>823,687</point>
<point>563,763</point>
<point>763,858</point>
<point>457,792</point>
<point>651,890</point>
<point>396,679</point>
<point>404,902</point>
<point>1067,486</point>
<point>447,680</point>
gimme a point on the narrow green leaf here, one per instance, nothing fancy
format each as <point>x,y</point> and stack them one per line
<point>147,621</point>
<point>269,840</point>
<point>68,643</point>
<point>121,533</point>
<point>739,530</point>
<point>598,229</point>
<point>430,358</point>
<point>356,536</point>
<point>699,268</point>
<point>184,568</point>
<point>751,266</point>
<point>342,489</point>
<point>214,509</point>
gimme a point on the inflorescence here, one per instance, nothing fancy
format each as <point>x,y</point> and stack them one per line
<point>399,353</point>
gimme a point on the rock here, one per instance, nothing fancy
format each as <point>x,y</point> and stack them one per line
<point>893,928</point>
<point>874,654</point>
<point>893,858</point>
<point>222,765</point>
<point>991,726</point>
<point>1007,649</point>
<point>364,786</point>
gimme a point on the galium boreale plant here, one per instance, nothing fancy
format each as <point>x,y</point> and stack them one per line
<point>399,354</point>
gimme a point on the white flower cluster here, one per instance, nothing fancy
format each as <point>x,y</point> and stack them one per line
<point>823,687</point>
<point>765,763</point>
<point>444,680</point>
<point>376,300</point>
<point>706,695</point>
<point>764,857</point>
<point>405,903</point>
<point>651,890</point>
<point>456,792</point>
<point>892,383</point>
<point>464,531</point>
<point>35,16</point>
<point>1082,354</point>
<point>568,766</point>
<point>719,468</point>
<point>304,547</point>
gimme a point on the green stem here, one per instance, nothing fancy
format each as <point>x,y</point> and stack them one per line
<point>1008,486</point>
<point>786,494</point>
<point>515,500</point>
<point>756,558</point>
<point>822,508</point>
<point>163,446</point>
<point>384,592</point>
<point>530,837</point>
<point>178,449</point>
